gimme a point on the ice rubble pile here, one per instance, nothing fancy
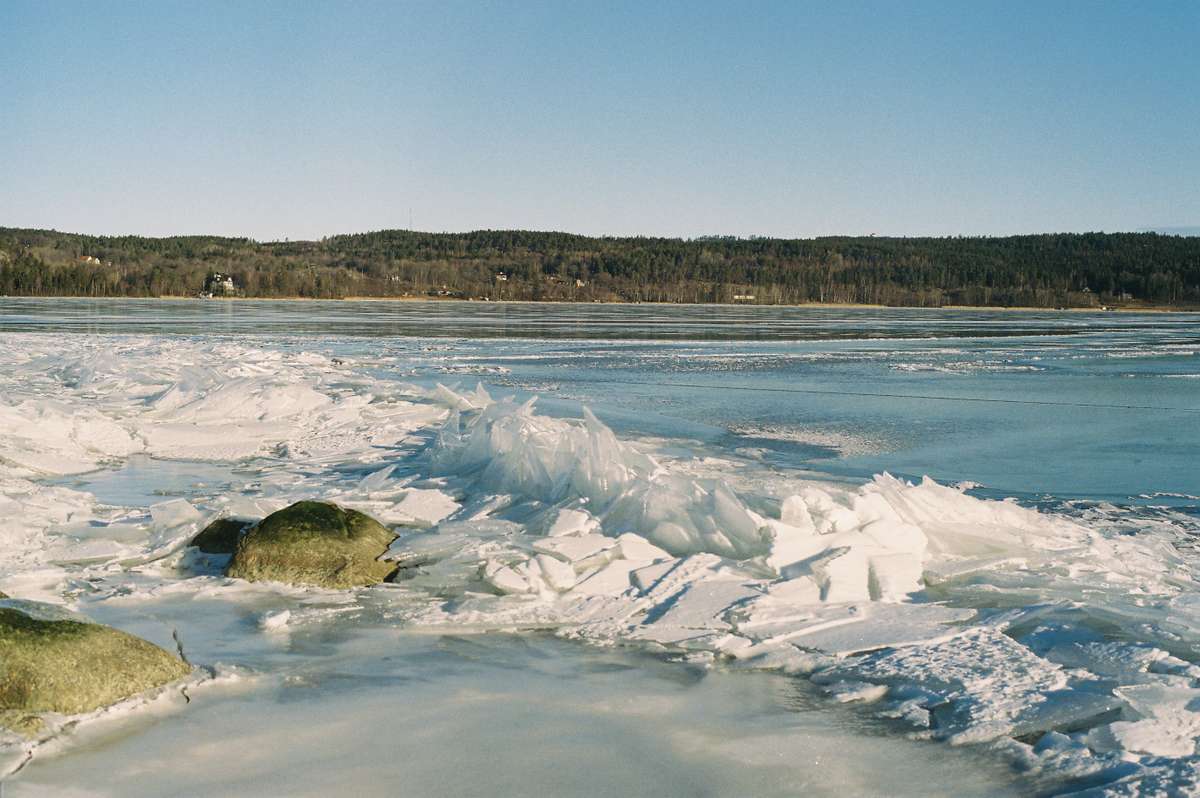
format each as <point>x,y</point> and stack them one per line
<point>972,620</point>
<point>514,450</point>
<point>882,541</point>
<point>68,413</point>
<point>969,619</point>
<point>104,399</point>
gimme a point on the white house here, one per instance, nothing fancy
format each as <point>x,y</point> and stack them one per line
<point>221,284</point>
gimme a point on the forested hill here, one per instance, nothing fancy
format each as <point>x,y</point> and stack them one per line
<point>1077,270</point>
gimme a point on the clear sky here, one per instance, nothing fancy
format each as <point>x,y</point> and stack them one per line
<point>302,119</point>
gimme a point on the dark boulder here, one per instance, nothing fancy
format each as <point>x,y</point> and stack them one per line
<point>314,543</point>
<point>221,536</point>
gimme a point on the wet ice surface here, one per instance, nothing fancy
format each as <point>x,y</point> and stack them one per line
<point>374,711</point>
<point>703,584</point>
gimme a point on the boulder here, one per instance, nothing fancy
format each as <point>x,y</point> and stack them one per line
<point>221,536</point>
<point>55,661</point>
<point>314,543</point>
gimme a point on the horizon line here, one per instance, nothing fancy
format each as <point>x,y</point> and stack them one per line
<point>1180,231</point>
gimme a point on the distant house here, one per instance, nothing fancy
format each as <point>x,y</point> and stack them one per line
<point>219,284</point>
<point>89,259</point>
<point>501,277</point>
<point>743,297</point>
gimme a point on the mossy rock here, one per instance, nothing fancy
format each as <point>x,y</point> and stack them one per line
<point>51,661</point>
<point>221,536</point>
<point>314,543</point>
<point>26,724</point>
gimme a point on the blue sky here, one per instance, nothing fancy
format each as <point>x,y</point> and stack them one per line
<point>302,119</point>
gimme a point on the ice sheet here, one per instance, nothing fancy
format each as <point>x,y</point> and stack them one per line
<point>972,620</point>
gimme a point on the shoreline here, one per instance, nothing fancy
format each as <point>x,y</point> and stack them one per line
<point>813,305</point>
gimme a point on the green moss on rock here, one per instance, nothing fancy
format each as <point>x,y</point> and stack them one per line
<point>221,536</point>
<point>50,663</point>
<point>26,724</point>
<point>314,543</point>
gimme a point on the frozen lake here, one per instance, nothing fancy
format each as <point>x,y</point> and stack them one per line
<point>747,608</point>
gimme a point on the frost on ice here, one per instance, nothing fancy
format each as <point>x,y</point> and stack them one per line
<point>969,620</point>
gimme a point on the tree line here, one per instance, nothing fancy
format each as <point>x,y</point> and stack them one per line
<point>1051,270</point>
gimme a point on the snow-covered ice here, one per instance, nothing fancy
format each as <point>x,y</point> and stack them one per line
<point>966,620</point>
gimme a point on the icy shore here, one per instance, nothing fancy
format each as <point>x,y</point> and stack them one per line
<point>1066,645</point>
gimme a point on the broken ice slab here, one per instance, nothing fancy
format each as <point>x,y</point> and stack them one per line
<point>794,592</point>
<point>844,629</point>
<point>572,522</point>
<point>793,512</point>
<point>1128,663</point>
<point>989,685</point>
<point>376,479</point>
<point>826,514</point>
<point>480,528</point>
<point>636,547</point>
<point>484,506</point>
<point>507,579</point>
<point>449,577</point>
<point>679,573</point>
<point>582,551</point>
<point>1167,724</point>
<point>557,574</point>
<point>790,544</point>
<point>425,547</point>
<point>251,506</point>
<point>945,570</point>
<point>65,552</point>
<point>1054,710</point>
<point>121,531</point>
<point>893,577</point>
<point>173,513</point>
<point>610,580</point>
<point>842,574</point>
<point>523,577</point>
<point>698,609</point>
<point>448,539</point>
<point>422,507</point>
